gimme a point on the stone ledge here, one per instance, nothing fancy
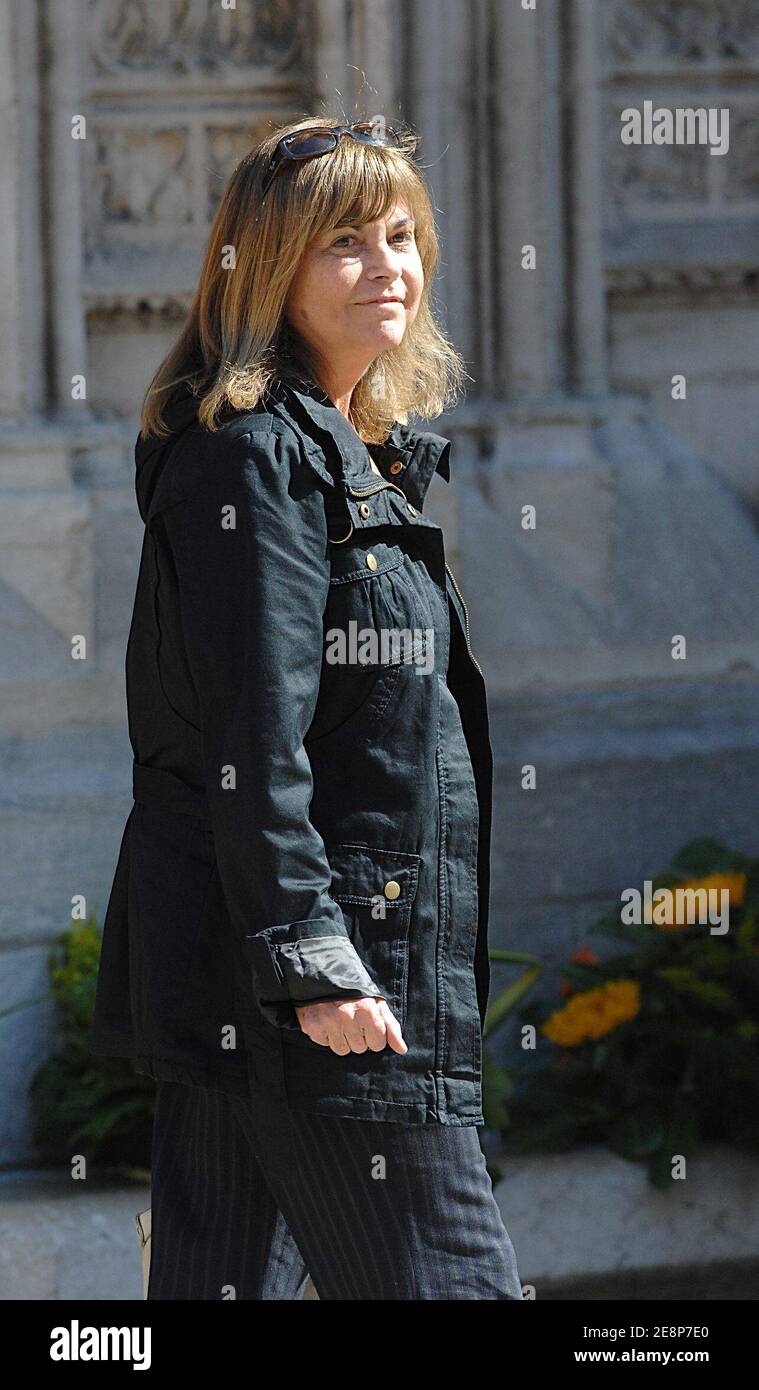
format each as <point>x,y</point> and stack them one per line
<point>585,1225</point>
<point>61,1239</point>
<point>588,1218</point>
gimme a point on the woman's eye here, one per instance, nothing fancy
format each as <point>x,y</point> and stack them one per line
<point>405,236</point>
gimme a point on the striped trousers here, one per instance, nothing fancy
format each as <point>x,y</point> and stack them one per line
<point>249,1196</point>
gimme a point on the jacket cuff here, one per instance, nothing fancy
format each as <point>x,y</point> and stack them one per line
<point>305,970</point>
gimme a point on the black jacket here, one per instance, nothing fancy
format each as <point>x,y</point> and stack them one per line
<point>312,807</point>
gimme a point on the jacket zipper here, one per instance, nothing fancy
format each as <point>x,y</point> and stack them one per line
<point>466,618</point>
<point>374,487</point>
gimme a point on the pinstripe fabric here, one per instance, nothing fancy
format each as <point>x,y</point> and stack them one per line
<point>247,1195</point>
<point>216,1229</point>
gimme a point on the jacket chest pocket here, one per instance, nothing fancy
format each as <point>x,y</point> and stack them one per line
<point>376,889</point>
<point>373,613</point>
<point>374,625</point>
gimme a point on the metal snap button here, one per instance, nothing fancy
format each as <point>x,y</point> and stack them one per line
<point>411,509</point>
<point>392,889</point>
<point>365,509</point>
<point>371,561</point>
<point>396,467</point>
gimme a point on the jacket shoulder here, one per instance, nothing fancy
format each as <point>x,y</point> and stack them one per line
<point>203,458</point>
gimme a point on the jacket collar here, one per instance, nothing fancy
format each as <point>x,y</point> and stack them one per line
<point>420,452</point>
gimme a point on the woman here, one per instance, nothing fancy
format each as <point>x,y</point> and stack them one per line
<point>295,945</point>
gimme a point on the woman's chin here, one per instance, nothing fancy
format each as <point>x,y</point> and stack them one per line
<point>387,335</point>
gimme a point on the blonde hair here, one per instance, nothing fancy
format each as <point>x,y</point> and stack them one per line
<point>236,337</point>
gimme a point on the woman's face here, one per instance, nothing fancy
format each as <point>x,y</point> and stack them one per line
<point>340,273</point>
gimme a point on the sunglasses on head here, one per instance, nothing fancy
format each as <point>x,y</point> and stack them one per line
<point>310,143</point>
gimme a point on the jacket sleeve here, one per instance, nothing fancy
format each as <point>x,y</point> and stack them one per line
<point>251,554</point>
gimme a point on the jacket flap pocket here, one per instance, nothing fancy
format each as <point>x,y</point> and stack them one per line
<point>364,562</point>
<point>362,874</point>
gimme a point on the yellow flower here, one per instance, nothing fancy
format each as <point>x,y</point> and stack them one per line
<point>593,1013</point>
<point>671,917</point>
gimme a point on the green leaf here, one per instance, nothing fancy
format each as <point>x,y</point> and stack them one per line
<point>540,1133</point>
<point>680,1138</point>
<point>81,1103</point>
<point>638,933</point>
<point>24,1004</point>
<point>707,992</point>
<point>507,1001</point>
<point>704,856</point>
<point>497,1087</point>
<point>745,935</point>
<point>637,1133</point>
<point>517,957</point>
<point>751,893</point>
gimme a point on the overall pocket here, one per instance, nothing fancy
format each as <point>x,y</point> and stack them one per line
<point>376,889</point>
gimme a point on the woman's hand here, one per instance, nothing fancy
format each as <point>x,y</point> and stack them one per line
<point>351,1025</point>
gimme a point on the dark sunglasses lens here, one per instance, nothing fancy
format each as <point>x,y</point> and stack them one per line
<point>371,136</point>
<point>312,143</point>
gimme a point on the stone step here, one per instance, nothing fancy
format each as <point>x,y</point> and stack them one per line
<point>585,1225</point>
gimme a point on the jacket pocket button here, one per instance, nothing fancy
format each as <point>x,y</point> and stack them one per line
<point>392,889</point>
<point>396,467</point>
<point>365,509</point>
<point>411,509</point>
<point>371,561</point>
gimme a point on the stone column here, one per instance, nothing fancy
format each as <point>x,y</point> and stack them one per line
<point>588,371</point>
<point>22,371</point>
<point>441,39</point>
<point>353,56</point>
<point>523,188</point>
<point>330,52</point>
<point>373,54</point>
<point>65,47</point>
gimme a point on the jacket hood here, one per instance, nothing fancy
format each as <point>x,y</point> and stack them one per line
<point>150,453</point>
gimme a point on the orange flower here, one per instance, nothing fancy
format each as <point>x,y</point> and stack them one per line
<point>593,1013</point>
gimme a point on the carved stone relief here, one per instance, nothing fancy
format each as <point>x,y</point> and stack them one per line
<point>679,54</point>
<point>141,176</point>
<point>684,31</point>
<point>225,147</point>
<point>741,180</point>
<point>176,93</point>
<point>192,36</point>
<point>645,179</point>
